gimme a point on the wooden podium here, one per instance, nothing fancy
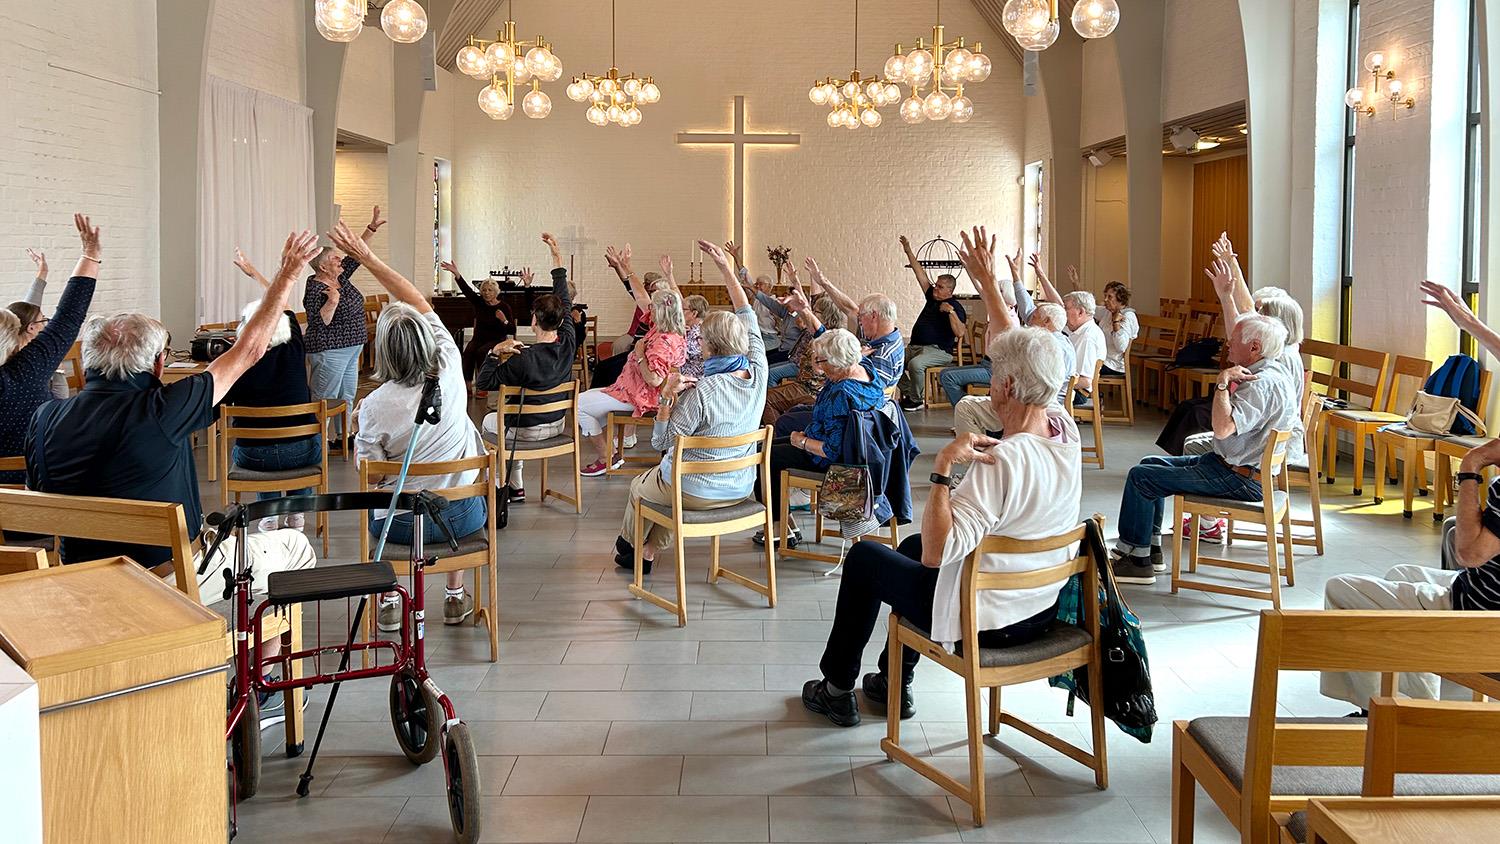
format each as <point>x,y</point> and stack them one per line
<point>130,674</point>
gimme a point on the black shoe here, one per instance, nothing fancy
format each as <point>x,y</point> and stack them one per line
<point>910,404</point>
<point>1132,569</point>
<point>877,690</point>
<point>625,556</point>
<point>517,496</point>
<point>842,710</point>
<point>794,537</point>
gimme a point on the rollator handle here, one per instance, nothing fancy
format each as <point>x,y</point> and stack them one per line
<point>431,505</point>
<point>430,405</point>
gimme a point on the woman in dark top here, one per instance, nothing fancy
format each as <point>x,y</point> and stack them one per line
<point>26,367</point>
<point>336,324</point>
<point>493,320</point>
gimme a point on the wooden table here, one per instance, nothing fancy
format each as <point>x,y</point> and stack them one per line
<point>130,680</point>
<point>1401,820</point>
<point>171,373</point>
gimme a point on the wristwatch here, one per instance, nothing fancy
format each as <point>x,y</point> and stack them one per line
<point>1469,476</point>
<point>1221,387</point>
<point>943,480</point>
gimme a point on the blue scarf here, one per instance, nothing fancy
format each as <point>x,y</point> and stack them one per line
<point>719,364</point>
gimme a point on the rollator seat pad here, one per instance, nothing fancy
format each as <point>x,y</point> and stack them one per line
<point>327,583</point>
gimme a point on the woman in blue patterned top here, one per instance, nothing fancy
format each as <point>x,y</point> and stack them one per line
<point>849,389</point>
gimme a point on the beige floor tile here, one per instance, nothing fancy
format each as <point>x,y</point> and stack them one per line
<point>560,678</point>
<point>706,819</point>
<point>540,738</point>
<point>697,738</point>
<point>622,706</point>
<point>750,706</point>
<point>503,819</point>
<point>745,677</point>
<point>632,653</point>
<point>1091,820</point>
<point>797,775</point>
<point>588,775</point>
<point>861,819</point>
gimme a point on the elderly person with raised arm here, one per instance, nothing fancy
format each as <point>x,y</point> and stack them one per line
<point>1470,575</point>
<point>1252,398</point>
<point>724,402</point>
<point>822,315</point>
<point>1079,326</point>
<point>695,310</point>
<point>493,321</point>
<point>1120,326</point>
<point>411,346</point>
<point>1026,485</point>
<point>336,326</point>
<point>637,391</point>
<point>934,335</point>
<point>31,351</point>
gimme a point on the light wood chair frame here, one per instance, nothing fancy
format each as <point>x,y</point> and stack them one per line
<point>1312,406</point>
<point>1335,383</point>
<point>15,559</point>
<point>1153,351</point>
<point>1093,416</point>
<point>316,475</point>
<point>1414,451</point>
<point>486,572</point>
<point>1445,452</point>
<point>1382,641</point>
<point>158,524</point>
<point>1266,511</point>
<point>1363,424</point>
<point>682,531</point>
<point>509,401</point>
<point>615,425</point>
<point>965,663</point>
<point>1124,387</point>
<point>965,352</point>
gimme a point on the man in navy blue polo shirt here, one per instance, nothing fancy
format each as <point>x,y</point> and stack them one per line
<point>126,435</point>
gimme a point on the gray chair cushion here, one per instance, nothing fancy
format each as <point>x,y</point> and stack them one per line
<point>1278,498</point>
<point>474,543</point>
<point>1468,442</point>
<point>748,507</point>
<point>1224,739</point>
<point>1058,640</point>
<point>531,445</point>
<point>1400,430</point>
<point>1369,415</point>
<point>237,473</point>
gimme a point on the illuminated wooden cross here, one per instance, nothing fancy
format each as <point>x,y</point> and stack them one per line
<point>740,139</point>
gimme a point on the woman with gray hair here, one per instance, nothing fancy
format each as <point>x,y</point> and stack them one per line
<point>724,402</point>
<point>694,311</point>
<point>411,346</point>
<point>28,359</point>
<point>823,315</point>
<point>336,325</point>
<point>662,350</point>
<point>1026,485</point>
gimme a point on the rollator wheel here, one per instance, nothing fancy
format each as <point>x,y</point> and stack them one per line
<point>417,718</point>
<point>244,751</point>
<point>462,766</point>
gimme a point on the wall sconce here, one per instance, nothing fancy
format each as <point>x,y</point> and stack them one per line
<point>1374,64</point>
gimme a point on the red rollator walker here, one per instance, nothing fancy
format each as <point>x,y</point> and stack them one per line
<point>422,715</point>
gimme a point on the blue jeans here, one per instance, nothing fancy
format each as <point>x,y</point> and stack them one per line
<point>335,375</point>
<point>781,371</point>
<point>1155,479</point>
<point>954,379</point>
<point>273,457</point>
<point>464,517</point>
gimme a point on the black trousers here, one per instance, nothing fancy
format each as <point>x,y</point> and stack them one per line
<point>875,575</point>
<point>775,356</point>
<point>473,355</point>
<point>1193,416</point>
<point>784,455</point>
<point>607,371</point>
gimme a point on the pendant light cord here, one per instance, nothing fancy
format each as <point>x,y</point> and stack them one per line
<point>612,34</point>
<point>856,34</point>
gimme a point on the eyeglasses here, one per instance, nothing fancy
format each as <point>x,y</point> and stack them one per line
<point>820,360</point>
<point>40,321</point>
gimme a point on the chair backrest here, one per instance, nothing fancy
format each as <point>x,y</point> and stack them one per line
<point>509,400</point>
<point>73,362</point>
<point>978,327</point>
<point>760,457</point>
<point>154,523</point>
<point>230,412</point>
<point>973,581</point>
<point>1428,737</point>
<point>1159,335</point>
<point>1483,407</point>
<point>15,559</point>
<point>371,471</point>
<point>1351,370</point>
<point>1273,459</point>
<point>1408,374</point>
<point>1383,641</point>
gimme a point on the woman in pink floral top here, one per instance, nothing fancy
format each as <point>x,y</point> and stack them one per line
<point>637,390</point>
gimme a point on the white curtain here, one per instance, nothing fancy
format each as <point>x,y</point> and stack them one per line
<point>255,187</point>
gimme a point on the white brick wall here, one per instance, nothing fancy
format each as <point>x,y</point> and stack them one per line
<point>366,102</point>
<point>360,182</point>
<point>1203,57</point>
<point>259,45</point>
<point>842,196</point>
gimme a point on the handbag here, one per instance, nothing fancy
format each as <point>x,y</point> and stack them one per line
<point>1435,415</point>
<point>846,493</point>
<point>1203,352</point>
<point>502,501</point>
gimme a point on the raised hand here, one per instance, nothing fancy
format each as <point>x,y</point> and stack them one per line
<point>1444,299</point>
<point>905,244</point>
<point>244,263</point>
<point>39,258</point>
<point>619,259</point>
<point>733,249</point>
<point>298,250</point>
<point>1072,272</point>
<point>977,255</point>
<point>351,245</point>
<point>375,220</point>
<point>1223,250</point>
<point>666,265</point>
<point>794,301</point>
<point>720,259</point>
<point>551,242</point>
<point>812,267</point>
<point>88,235</point>
<point>526,276</point>
<point>449,266</point>
<point>1222,276</point>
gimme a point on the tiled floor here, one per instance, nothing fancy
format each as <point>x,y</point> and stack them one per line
<point>603,721</point>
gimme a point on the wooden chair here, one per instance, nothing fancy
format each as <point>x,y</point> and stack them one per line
<point>16,558</point>
<point>1089,412</point>
<point>238,479</point>
<point>1124,387</point>
<point>1414,446</point>
<point>13,464</point>
<point>1172,382</point>
<point>563,397</point>
<point>1301,470</point>
<point>1153,352</point>
<point>684,523</point>
<point>73,365</point>
<point>1062,648</point>
<point>1194,381</point>
<point>1360,422</point>
<point>157,524</point>
<point>615,426</point>
<point>475,551</point>
<point>1254,766</point>
<point>1272,510</point>
<point>1173,307</point>
<point>932,391</point>
<point>338,408</point>
<point>1446,451</point>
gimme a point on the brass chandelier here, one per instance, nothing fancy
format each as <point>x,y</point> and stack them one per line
<point>945,66</point>
<point>855,101</point>
<point>506,61</point>
<point>404,21</point>
<point>1035,24</point>
<point>612,97</point>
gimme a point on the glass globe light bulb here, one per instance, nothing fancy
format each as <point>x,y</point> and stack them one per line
<point>519,70</point>
<point>963,110</point>
<point>1374,59</point>
<point>339,20</point>
<point>895,67</point>
<point>635,116</point>
<point>472,62</point>
<point>817,95</point>
<point>911,110</point>
<point>501,55</point>
<point>850,90</point>
<point>1354,98</point>
<point>553,71</point>
<point>536,104</point>
<point>492,98</point>
<point>918,66</point>
<point>536,60</point>
<point>835,119</point>
<point>405,21</point>
<point>835,98</point>
<point>1096,18</point>
<point>956,61</point>
<point>575,92</point>
<point>1395,87</point>
<point>870,117</point>
<point>850,120</point>
<point>937,106</point>
<point>1042,40</point>
<point>947,76</point>
<point>650,93</point>
<point>631,87</point>
<point>1025,18</point>
<point>875,90</point>
<point>596,115</point>
<point>618,97</point>
<point>615,114</point>
<point>979,68</point>
<point>608,86</point>
<point>892,92</point>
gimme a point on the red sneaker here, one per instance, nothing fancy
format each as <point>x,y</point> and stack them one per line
<point>593,470</point>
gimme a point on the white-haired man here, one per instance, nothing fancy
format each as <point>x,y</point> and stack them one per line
<point>126,435</point>
<point>1252,398</point>
<point>936,332</point>
<point>1087,337</point>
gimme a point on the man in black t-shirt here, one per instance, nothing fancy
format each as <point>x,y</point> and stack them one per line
<point>934,334</point>
<point>538,368</point>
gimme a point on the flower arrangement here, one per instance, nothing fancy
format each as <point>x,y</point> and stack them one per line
<point>780,256</point>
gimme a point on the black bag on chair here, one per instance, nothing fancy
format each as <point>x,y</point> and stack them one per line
<point>1202,352</point>
<point>502,501</point>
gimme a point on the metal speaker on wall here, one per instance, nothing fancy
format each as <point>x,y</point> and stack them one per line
<point>1099,157</point>
<point>428,60</point>
<point>1031,73</point>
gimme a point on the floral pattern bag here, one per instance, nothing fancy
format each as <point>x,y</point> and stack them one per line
<point>846,493</point>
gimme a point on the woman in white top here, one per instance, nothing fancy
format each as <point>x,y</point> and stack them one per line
<point>411,345</point>
<point>1118,322</point>
<point>1026,485</point>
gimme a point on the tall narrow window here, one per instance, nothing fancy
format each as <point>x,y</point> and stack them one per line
<point>1473,165</point>
<point>1346,224</point>
<point>1035,215</point>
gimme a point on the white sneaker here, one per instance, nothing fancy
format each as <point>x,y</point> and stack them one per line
<point>799,499</point>
<point>630,440</point>
<point>388,617</point>
<point>268,524</point>
<point>296,521</point>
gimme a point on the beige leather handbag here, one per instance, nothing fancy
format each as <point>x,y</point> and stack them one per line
<point>1436,414</point>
